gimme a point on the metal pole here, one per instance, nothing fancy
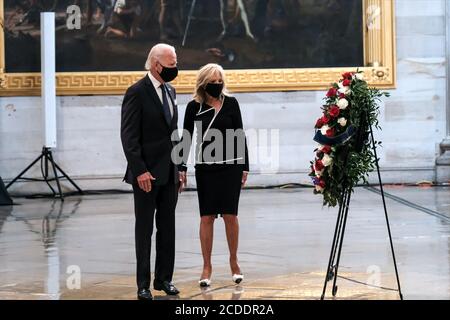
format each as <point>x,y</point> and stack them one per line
<point>50,157</point>
<point>68,178</point>
<point>23,172</point>
<point>347,205</point>
<point>329,274</point>
<point>344,200</point>
<point>385,213</point>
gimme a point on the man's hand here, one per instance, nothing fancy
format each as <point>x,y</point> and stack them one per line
<point>145,181</point>
<point>183,181</point>
<point>244,177</point>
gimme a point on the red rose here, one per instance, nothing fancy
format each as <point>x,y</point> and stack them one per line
<point>332,92</point>
<point>319,123</point>
<point>334,111</point>
<point>325,119</point>
<point>330,133</point>
<point>319,165</point>
<point>341,95</point>
<point>322,183</point>
<point>326,149</point>
<point>346,82</point>
<point>347,75</point>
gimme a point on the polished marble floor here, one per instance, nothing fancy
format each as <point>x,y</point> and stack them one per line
<point>84,248</point>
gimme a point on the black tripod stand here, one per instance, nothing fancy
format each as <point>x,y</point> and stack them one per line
<point>338,238</point>
<point>46,157</point>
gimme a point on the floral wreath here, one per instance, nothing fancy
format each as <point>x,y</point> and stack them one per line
<point>342,157</point>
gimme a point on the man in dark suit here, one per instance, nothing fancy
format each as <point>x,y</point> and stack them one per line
<point>149,117</point>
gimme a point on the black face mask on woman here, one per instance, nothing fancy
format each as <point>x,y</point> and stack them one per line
<point>168,74</point>
<point>214,89</point>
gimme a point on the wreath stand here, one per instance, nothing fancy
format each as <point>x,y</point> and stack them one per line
<point>338,238</point>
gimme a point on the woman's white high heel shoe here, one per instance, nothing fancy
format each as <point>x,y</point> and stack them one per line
<point>205,282</point>
<point>237,278</point>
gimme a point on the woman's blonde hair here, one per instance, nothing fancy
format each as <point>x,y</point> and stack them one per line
<point>204,76</point>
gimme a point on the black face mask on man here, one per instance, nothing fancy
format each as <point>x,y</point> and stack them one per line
<point>168,74</point>
<point>214,89</point>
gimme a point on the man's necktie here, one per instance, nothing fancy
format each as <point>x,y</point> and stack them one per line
<point>166,106</point>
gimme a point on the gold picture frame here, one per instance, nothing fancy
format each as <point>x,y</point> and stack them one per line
<point>379,67</point>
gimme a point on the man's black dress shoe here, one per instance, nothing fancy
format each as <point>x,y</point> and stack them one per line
<point>144,294</point>
<point>167,287</point>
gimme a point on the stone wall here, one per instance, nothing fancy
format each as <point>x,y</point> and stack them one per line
<point>413,119</point>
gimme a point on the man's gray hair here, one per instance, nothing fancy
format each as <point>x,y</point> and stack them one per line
<point>156,52</point>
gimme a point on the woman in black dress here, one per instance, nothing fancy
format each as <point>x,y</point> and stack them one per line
<point>221,162</point>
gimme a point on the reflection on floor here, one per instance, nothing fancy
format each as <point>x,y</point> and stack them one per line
<point>84,248</point>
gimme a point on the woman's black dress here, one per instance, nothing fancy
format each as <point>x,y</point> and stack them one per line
<point>219,161</point>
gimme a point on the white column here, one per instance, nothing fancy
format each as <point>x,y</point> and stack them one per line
<point>447,39</point>
<point>443,161</point>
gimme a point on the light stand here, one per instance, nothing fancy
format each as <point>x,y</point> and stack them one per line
<point>46,157</point>
<point>48,92</point>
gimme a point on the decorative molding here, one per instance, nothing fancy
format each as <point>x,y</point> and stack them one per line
<point>2,79</point>
<point>379,57</point>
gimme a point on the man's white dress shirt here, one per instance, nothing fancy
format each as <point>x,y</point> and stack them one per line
<point>158,89</point>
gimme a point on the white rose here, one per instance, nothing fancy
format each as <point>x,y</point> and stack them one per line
<point>342,104</point>
<point>344,89</point>
<point>319,189</point>
<point>342,121</point>
<point>327,160</point>
<point>324,129</point>
<point>360,76</point>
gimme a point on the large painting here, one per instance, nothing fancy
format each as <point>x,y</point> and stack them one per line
<point>101,45</point>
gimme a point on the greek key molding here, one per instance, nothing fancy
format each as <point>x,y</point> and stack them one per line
<point>379,69</point>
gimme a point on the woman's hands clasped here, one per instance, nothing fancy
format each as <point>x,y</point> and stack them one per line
<point>183,181</point>
<point>244,177</point>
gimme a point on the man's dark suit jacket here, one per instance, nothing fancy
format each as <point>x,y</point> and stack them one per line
<point>146,135</point>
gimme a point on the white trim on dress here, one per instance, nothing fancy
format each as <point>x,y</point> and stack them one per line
<point>207,129</point>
